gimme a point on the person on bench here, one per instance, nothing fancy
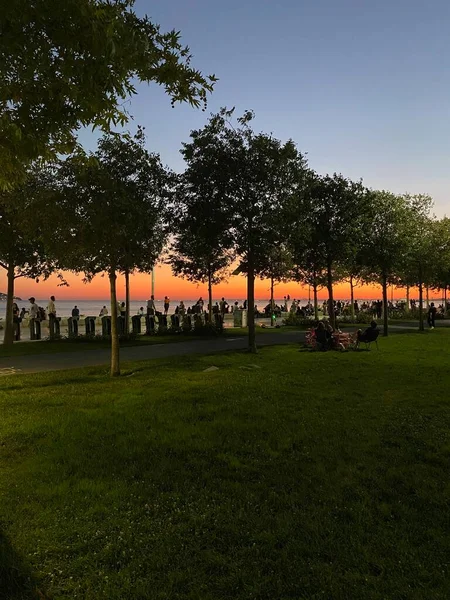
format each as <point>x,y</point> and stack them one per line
<point>369,335</point>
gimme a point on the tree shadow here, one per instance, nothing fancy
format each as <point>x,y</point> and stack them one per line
<point>16,580</point>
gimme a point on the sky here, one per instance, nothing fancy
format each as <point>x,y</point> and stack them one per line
<point>362,87</point>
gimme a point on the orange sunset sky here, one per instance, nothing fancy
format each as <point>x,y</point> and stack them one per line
<point>175,288</point>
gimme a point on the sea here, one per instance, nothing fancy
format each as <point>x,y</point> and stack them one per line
<point>92,308</point>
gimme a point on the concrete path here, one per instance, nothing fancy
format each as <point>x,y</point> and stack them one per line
<point>37,363</point>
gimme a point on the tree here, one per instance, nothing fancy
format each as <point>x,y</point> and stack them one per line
<point>251,175</point>
<point>111,214</point>
<point>442,271</point>
<point>22,251</point>
<point>308,263</point>
<point>65,65</point>
<point>422,247</point>
<point>335,209</point>
<point>277,268</point>
<point>201,250</point>
<point>387,240</point>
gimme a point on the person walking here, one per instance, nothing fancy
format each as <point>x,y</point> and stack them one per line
<point>432,315</point>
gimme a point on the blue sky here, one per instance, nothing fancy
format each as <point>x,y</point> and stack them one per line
<point>362,87</point>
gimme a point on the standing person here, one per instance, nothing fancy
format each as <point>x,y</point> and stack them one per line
<point>51,312</point>
<point>34,309</point>
<point>432,315</point>
<point>51,309</point>
<point>151,306</point>
<point>75,319</point>
<point>200,304</point>
<point>166,304</point>
<point>16,321</point>
<point>285,307</point>
<point>34,319</point>
<point>123,310</point>
<point>182,308</point>
<point>223,307</point>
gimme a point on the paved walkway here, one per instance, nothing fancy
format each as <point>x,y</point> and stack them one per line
<point>37,363</point>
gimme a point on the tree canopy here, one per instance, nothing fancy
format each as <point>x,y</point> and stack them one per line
<point>65,65</point>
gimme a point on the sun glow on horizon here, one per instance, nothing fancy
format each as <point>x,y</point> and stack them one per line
<point>177,288</point>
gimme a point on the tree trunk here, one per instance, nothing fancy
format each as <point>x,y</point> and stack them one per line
<point>385,306</point>
<point>210,298</point>
<point>428,297</point>
<point>316,302</point>
<point>445,299</point>
<point>127,302</point>
<point>272,303</point>
<point>8,339</point>
<point>352,302</point>
<point>115,364</point>
<point>407,299</point>
<point>330,296</point>
<point>421,325</point>
<point>251,304</point>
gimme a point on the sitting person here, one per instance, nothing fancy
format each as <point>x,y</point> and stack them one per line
<point>369,335</point>
<point>322,340</point>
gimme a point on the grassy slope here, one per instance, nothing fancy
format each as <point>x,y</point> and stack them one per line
<point>316,476</point>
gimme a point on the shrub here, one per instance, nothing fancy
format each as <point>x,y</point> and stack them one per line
<point>297,321</point>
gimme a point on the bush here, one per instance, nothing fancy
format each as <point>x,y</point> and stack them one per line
<point>361,317</point>
<point>297,321</point>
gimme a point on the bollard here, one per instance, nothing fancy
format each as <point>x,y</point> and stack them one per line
<point>106,326</point>
<point>149,325</point>
<point>136,324</point>
<point>89,324</point>
<point>187,323</point>
<point>218,321</point>
<point>162,322</point>
<point>52,325</point>
<point>35,329</point>
<point>57,326</point>
<point>72,325</point>
<point>174,321</point>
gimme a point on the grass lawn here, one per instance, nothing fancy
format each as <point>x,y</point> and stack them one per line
<point>316,476</point>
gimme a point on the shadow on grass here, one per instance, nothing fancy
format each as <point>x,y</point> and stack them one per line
<point>16,580</point>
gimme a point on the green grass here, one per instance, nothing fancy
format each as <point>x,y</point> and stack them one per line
<point>319,475</point>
